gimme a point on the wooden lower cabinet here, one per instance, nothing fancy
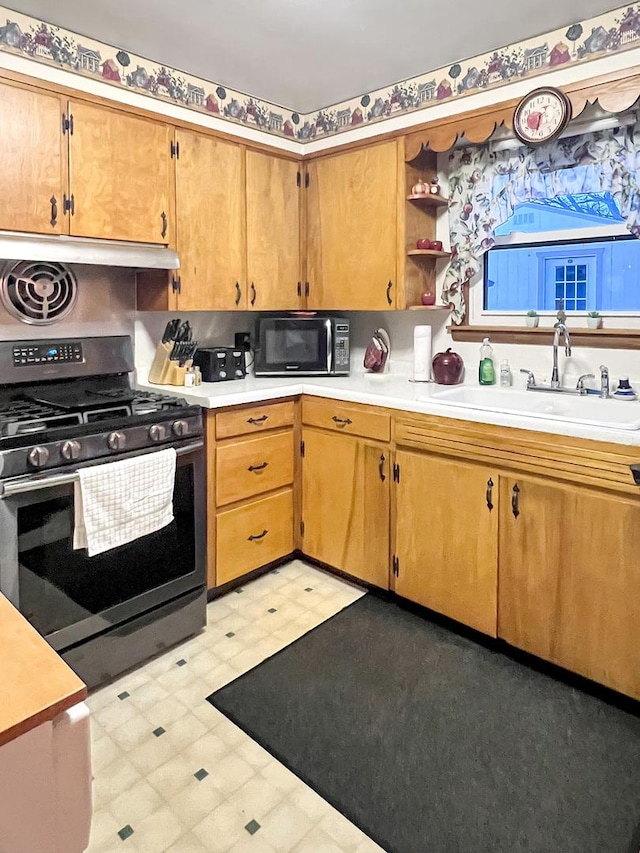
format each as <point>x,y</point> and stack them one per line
<point>250,467</point>
<point>570,578</point>
<point>447,537</point>
<point>253,535</point>
<point>345,504</point>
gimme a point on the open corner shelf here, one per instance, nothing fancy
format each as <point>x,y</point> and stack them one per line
<point>427,253</point>
<point>429,308</point>
<point>429,199</point>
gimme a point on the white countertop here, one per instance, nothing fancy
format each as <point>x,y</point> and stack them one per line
<point>394,391</point>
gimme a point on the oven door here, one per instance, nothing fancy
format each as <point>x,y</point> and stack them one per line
<point>290,345</point>
<point>67,595</point>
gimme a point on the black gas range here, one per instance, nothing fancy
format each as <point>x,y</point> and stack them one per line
<point>66,404</point>
<point>56,409</point>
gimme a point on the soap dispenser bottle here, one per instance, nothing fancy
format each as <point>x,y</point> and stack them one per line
<point>487,370</point>
<point>506,378</point>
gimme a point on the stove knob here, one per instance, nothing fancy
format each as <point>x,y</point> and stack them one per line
<point>38,456</point>
<point>71,450</point>
<point>157,432</point>
<point>116,440</point>
<point>180,428</point>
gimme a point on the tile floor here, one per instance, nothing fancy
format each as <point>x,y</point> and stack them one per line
<point>174,775</point>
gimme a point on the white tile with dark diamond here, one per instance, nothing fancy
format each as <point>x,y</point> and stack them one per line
<point>174,775</point>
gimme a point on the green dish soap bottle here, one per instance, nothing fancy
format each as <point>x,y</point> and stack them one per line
<point>487,370</point>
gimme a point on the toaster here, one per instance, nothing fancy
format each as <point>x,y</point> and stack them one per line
<point>218,364</point>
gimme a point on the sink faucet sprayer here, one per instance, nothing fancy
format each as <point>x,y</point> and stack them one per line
<point>604,381</point>
<point>560,329</point>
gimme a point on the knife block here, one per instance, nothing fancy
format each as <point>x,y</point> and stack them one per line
<point>164,371</point>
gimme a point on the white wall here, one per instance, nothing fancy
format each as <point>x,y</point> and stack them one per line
<point>210,328</point>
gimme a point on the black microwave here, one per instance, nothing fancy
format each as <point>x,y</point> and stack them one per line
<point>303,346</point>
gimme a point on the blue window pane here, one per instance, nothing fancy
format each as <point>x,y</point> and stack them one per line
<point>559,273</point>
<point>582,272</point>
<point>582,305</point>
<point>559,291</point>
<point>571,291</point>
<point>582,291</point>
<point>571,273</point>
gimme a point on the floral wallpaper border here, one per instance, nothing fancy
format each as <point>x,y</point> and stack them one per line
<point>583,41</point>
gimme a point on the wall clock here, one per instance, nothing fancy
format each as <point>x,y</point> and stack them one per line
<point>541,115</point>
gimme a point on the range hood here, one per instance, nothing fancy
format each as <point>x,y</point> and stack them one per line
<point>18,246</point>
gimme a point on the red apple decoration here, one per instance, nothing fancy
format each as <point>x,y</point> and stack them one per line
<point>423,244</point>
<point>428,298</point>
<point>448,368</point>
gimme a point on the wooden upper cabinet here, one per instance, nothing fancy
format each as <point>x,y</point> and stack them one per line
<point>210,216</point>
<point>352,225</point>
<point>120,175</point>
<point>273,232</point>
<point>570,578</point>
<point>33,178</point>
<point>447,538</point>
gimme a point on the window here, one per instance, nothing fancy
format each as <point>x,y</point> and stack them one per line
<point>572,249</point>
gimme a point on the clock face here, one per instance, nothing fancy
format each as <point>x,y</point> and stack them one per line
<point>541,115</point>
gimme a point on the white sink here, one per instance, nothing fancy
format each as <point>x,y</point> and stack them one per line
<point>586,409</point>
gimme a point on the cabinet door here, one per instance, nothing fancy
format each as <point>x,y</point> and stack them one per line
<point>210,214</point>
<point>570,578</point>
<point>352,217</point>
<point>273,232</point>
<point>120,175</point>
<point>447,538</point>
<point>345,504</point>
<point>34,171</point>
<point>253,535</point>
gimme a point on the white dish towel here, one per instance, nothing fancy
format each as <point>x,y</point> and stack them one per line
<point>118,502</point>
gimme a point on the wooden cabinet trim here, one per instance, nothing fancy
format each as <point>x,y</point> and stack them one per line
<point>577,460</point>
<point>27,82</point>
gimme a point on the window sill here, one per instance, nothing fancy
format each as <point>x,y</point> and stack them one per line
<point>541,335</point>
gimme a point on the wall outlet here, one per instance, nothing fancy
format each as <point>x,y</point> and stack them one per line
<point>242,340</point>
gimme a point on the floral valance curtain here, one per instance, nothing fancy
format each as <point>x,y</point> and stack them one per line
<point>486,184</point>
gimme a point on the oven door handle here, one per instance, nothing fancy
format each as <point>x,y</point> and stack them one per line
<point>19,487</point>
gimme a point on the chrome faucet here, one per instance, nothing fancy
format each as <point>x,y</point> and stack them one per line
<point>604,381</point>
<point>560,329</point>
<point>580,383</point>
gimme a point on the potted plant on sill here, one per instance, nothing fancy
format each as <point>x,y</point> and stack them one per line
<point>594,320</point>
<point>532,319</point>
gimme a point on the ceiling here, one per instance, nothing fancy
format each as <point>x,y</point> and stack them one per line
<point>308,54</point>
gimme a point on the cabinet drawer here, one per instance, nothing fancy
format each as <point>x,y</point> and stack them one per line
<point>355,420</point>
<point>255,419</point>
<point>255,465</point>
<point>253,535</point>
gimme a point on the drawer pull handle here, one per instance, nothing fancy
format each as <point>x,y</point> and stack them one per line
<point>381,462</point>
<point>341,421</point>
<point>238,293</point>
<point>259,420</point>
<point>489,496</point>
<point>260,467</point>
<point>515,509</point>
<point>253,538</point>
